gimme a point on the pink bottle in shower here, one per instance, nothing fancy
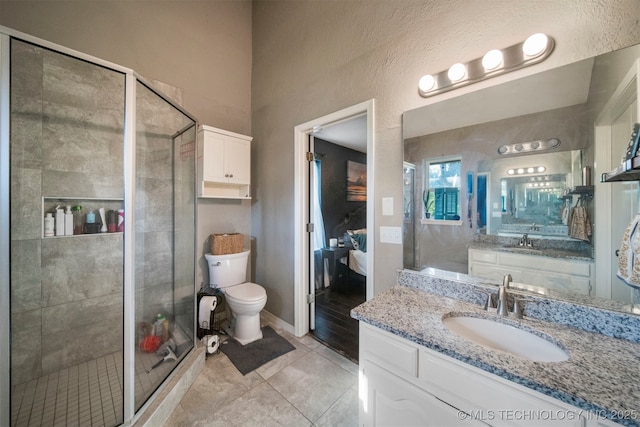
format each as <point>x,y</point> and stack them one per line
<point>121,220</point>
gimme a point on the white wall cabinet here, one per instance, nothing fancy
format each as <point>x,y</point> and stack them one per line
<point>405,384</point>
<point>560,274</point>
<point>224,164</point>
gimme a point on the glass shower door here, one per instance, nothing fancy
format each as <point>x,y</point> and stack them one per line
<point>66,149</point>
<point>164,239</point>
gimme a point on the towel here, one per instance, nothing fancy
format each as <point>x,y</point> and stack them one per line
<point>565,215</point>
<point>579,224</point>
<point>629,255</point>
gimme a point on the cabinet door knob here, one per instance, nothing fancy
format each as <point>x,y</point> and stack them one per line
<point>226,175</point>
<point>230,175</point>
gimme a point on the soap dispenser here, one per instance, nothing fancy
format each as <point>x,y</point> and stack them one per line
<point>91,223</point>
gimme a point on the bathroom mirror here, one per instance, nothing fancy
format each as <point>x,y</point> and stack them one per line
<point>532,201</point>
<point>560,105</point>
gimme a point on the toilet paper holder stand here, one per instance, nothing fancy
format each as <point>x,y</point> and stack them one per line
<point>214,322</point>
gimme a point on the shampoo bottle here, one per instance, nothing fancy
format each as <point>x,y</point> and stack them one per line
<point>59,221</point>
<point>48,225</point>
<point>161,327</point>
<point>77,219</point>
<point>68,222</point>
<point>103,228</point>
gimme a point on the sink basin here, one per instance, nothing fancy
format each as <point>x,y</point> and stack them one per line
<point>499,336</point>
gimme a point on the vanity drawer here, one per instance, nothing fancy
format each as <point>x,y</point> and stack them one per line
<point>388,351</point>
<point>483,256</point>
<point>501,402</point>
<point>532,262</point>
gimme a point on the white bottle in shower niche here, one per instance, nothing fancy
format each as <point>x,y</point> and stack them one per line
<point>48,225</point>
<point>59,221</point>
<point>68,222</point>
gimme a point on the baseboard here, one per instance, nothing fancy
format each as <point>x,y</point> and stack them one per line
<point>275,320</point>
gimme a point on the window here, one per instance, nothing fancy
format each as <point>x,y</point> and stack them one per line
<point>441,196</point>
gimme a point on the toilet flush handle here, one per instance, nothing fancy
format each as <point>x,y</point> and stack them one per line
<point>217,264</point>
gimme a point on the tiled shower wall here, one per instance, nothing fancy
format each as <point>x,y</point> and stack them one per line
<point>67,132</point>
<point>67,119</point>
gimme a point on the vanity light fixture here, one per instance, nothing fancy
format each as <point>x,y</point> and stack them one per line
<point>494,63</point>
<point>426,83</point>
<point>527,170</point>
<point>492,60</point>
<point>526,147</point>
<point>457,72</point>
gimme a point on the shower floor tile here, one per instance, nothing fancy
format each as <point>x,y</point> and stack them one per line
<point>88,394</point>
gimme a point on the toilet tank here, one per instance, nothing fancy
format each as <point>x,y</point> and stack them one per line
<point>227,270</point>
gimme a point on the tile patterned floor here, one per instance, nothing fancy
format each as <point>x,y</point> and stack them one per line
<point>88,394</point>
<point>309,386</point>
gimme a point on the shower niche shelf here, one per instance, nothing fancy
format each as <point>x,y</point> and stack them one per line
<point>88,204</point>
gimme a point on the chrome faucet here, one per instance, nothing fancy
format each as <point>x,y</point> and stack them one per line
<point>503,306</point>
<point>525,241</point>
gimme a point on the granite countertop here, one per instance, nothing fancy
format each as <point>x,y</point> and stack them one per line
<point>602,373</point>
<point>545,252</point>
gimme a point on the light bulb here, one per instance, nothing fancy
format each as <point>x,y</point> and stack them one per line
<point>457,72</point>
<point>520,170</point>
<point>535,44</point>
<point>511,172</point>
<point>427,83</point>
<point>492,60</point>
<point>541,169</point>
<point>530,170</point>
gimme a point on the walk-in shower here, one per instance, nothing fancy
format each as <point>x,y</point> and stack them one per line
<point>80,310</point>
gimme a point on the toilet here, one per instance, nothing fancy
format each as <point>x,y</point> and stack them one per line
<point>244,299</point>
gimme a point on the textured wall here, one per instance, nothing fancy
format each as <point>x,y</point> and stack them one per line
<point>202,47</point>
<point>380,49</point>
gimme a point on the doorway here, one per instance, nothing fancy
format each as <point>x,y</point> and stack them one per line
<point>305,269</point>
<point>618,201</point>
<point>338,211</point>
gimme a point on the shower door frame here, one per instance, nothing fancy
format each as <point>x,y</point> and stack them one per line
<point>131,77</point>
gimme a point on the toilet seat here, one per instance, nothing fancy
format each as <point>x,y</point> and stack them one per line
<point>246,292</point>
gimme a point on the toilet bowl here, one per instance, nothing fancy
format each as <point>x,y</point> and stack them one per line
<point>245,300</point>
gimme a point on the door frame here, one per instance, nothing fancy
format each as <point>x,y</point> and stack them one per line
<point>622,97</point>
<point>301,252</point>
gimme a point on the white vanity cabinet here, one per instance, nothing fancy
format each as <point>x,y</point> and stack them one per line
<point>405,384</point>
<point>561,274</point>
<point>224,164</point>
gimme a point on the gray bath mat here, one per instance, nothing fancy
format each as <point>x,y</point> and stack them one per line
<point>253,355</point>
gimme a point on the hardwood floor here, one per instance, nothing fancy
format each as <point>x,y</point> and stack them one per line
<point>334,325</point>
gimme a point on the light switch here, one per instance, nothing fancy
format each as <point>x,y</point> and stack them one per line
<point>387,206</point>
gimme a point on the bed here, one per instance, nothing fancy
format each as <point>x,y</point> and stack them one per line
<point>346,263</point>
<point>354,233</point>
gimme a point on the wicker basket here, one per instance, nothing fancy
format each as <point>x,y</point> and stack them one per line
<point>228,243</point>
